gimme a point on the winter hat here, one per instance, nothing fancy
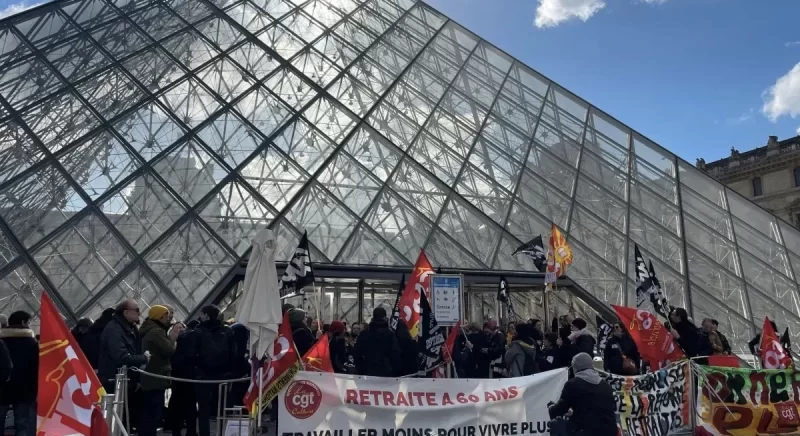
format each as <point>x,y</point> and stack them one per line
<point>157,311</point>
<point>336,327</point>
<point>579,323</point>
<point>297,316</point>
<point>582,362</point>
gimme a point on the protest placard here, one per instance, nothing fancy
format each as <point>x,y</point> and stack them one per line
<point>653,404</point>
<point>748,402</point>
<point>324,404</point>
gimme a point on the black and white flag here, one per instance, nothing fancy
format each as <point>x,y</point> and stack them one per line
<point>396,309</point>
<point>643,282</point>
<point>298,273</point>
<point>603,331</point>
<point>657,296</point>
<point>535,250</point>
<point>502,291</point>
<point>431,337</point>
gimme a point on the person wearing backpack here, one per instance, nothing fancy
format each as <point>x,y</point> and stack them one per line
<point>521,355</point>
<point>214,358</point>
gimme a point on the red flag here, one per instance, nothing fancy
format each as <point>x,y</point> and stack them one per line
<point>409,302</point>
<point>450,344</point>
<point>728,361</point>
<point>276,372</point>
<point>773,356</point>
<point>654,341</point>
<point>67,384</point>
<point>318,357</point>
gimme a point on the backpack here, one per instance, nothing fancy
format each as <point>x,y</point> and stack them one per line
<point>214,351</point>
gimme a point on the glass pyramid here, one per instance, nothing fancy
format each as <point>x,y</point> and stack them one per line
<point>145,142</point>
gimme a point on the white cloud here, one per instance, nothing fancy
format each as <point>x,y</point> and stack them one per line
<point>17,8</point>
<point>792,43</point>
<point>551,13</point>
<point>654,2</point>
<point>783,98</point>
<point>798,131</point>
<point>741,119</point>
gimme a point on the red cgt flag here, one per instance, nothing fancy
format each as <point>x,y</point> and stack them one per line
<point>318,357</point>
<point>654,341</point>
<point>773,356</point>
<point>68,387</point>
<point>276,372</point>
<point>419,281</point>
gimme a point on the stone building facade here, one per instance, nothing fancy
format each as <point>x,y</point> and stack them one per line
<point>767,175</point>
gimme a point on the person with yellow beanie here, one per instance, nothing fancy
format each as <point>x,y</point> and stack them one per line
<point>161,346</point>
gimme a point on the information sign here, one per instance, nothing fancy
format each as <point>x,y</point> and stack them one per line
<point>446,295</point>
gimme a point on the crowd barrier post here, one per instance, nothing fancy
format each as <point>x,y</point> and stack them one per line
<point>222,396</point>
<point>107,405</point>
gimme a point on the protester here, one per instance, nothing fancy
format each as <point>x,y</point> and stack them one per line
<point>685,332</point>
<point>726,346</point>
<point>91,340</point>
<point>120,346</point>
<point>717,349</point>
<point>494,349</point>
<point>408,351</point>
<point>511,331</point>
<point>161,346</point>
<point>581,339</point>
<point>81,329</point>
<point>302,335</point>
<point>241,364</point>
<point>20,391</point>
<point>538,333</point>
<point>182,401</point>
<point>338,347</point>
<point>520,358</point>
<point>755,344</point>
<point>214,354</point>
<point>377,351</point>
<point>591,400</point>
<point>549,357</point>
<point>621,356</point>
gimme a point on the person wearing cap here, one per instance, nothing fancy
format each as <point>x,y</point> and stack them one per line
<point>161,346</point>
<point>591,400</point>
<point>338,346</point>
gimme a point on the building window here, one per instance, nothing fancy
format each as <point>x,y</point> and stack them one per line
<point>757,187</point>
<point>797,176</point>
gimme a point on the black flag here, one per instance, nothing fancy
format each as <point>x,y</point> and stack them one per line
<point>643,282</point>
<point>603,330</point>
<point>431,337</point>
<point>786,342</point>
<point>657,297</point>
<point>298,273</point>
<point>535,250</point>
<point>396,310</point>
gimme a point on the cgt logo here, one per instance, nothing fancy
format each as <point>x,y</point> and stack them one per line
<point>302,399</point>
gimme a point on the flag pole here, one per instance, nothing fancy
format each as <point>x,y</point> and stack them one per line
<point>260,398</point>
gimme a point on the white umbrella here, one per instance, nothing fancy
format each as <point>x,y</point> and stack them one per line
<point>259,308</point>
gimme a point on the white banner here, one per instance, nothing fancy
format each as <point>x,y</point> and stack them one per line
<point>324,404</point>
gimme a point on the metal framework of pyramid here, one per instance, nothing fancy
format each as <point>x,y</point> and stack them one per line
<point>143,143</point>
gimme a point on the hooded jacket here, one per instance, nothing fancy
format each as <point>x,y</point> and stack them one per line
<point>161,348</point>
<point>517,355</point>
<point>120,345</point>
<point>24,352</point>
<point>592,402</point>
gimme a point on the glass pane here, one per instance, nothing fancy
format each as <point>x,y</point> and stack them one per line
<point>17,150</point>
<point>142,210</point>
<point>190,102</point>
<point>190,171</point>
<point>236,216</point>
<point>672,282</point>
<point>99,164</point>
<point>78,278</point>
<point>595,276</point>
<point>598,236</point>
<point>367,248</point>
<point>305,145</point>
<point>471,230</point>
<point>399,223</point>
<point>139,286</point>
<point>274,176</point>
<point>230,139</point>
<point>149,130</point>
<point>190,262</point>
<point>735,327</point>
<point>20,290</point>
<point>717,281</point>
<point>263,110</point>
<point>418,188</point>
<point>327,222</point>
<point>349,182</point>
<point>373,152</point>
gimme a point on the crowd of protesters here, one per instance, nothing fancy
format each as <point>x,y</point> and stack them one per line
<point>210,349</point>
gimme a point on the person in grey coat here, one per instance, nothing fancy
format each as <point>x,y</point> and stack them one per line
<point>120,344</point>
<point>521,355</point>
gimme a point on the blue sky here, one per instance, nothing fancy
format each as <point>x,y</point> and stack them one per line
<point>696,76</point>
<point>693,75</point>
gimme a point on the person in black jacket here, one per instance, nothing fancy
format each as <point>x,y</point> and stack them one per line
<point>120,345</point>
<point>6,365</point>
<point>408,351</point>
<point>581,340</point>
<point>182,402</point>
<point>214,358</point>
<point>377,352</point>
<point>685,332</point>
<point>81,329</point>
<point>338,346</point>
<point>90,344</point>
<point>619,346</point>
<point>301,334</point>
<point>549,357</point>
<point>591,400</point>
<point>20,391</point>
